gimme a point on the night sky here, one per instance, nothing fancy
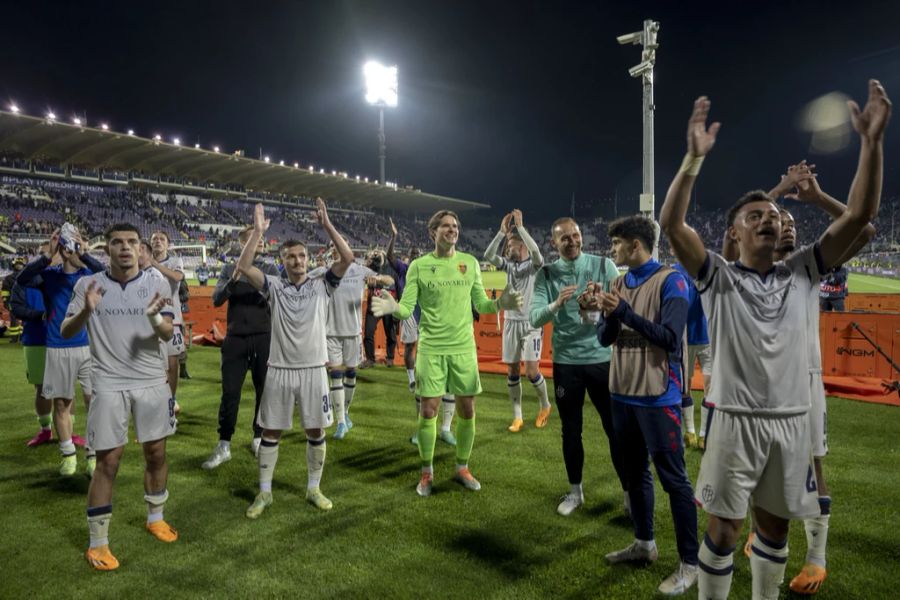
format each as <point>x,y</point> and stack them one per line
<point>515,104</point>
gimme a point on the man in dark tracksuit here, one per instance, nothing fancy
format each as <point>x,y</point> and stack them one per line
<point>246,346</point>
<point>645,316</point>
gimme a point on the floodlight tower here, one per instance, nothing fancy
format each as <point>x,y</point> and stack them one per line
<point>381,91</point>
<point>646,38</point>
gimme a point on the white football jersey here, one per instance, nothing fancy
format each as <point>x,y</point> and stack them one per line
<point>176,264</point>
<point>125,351</point>
<point>758,328</point>
<point>299,317</point>
<point>520,277</point>
<point>345,309</point>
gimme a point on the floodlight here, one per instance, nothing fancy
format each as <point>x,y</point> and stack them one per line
<point>266,159</point>
<point>281,162</point>
<point>13,108</point>
<point>51,115</point>
<point>334,172</point>
<point>367,180</point>
<point>104,126</point>
<point>76,120</point>
<point>296,165</point>
<point>312,169</point>
<point>631,38</point>
<point>215,148</point>
<point>381,84</point>
<point>357,177</point>
<point>176,141</point>
<point>321,171</point>
<point>131,132</point>
<point>197,146</point>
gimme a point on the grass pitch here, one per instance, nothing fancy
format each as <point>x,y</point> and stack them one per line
<point>870,284</point>
<point>381,540</point>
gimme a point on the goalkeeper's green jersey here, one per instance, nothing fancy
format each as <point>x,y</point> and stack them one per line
<point>445,289</point>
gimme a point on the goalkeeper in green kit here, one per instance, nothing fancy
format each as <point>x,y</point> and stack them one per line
<point>445,284</point>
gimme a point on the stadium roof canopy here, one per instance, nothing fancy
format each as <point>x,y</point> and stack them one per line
<point>45,139</point>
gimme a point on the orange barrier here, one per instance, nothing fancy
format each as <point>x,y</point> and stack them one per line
<point>202,312</point>
<point>851,367</point>
<point>873,302</point>
<point>846,352</point>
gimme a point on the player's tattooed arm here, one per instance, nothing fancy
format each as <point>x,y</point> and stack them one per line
<point>340,267</point>
<point>245,263</point>
<point>390,249</point>
<point>380,280</point>
<point>686,243</point>
<point>865,192</point>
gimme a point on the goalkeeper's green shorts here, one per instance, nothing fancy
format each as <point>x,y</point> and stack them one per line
<point>439,374</point>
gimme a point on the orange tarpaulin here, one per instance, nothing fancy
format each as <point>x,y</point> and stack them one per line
<point>866,389</point>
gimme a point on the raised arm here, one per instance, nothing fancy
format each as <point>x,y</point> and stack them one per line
<point>533,251</point>
<point>390,249</point>
<point>809,192</point>
<point>797,175</point>
<point>245,263</point>
<point>686,244</point>
<point>32,270</point>
<point>343,248</point>
<point>492,253</point>
<point>865,192</point>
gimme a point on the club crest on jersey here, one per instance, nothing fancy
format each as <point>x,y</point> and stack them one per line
<point>433,269</point>
<point>462,268</point>
<point>143,293</point>
<point>708,494</point>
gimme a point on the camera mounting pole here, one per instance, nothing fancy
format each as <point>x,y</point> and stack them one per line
<point>647,39</point>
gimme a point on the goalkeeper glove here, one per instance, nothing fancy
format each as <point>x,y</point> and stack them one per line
<point>384,304</point>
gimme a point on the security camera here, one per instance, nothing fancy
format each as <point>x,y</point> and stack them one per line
<point>640,69</point>
<point>652,30</point>
<point>631,38</point>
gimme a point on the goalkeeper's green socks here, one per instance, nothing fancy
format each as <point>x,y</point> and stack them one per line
<point>427,436</point>
<point>465,439</point>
